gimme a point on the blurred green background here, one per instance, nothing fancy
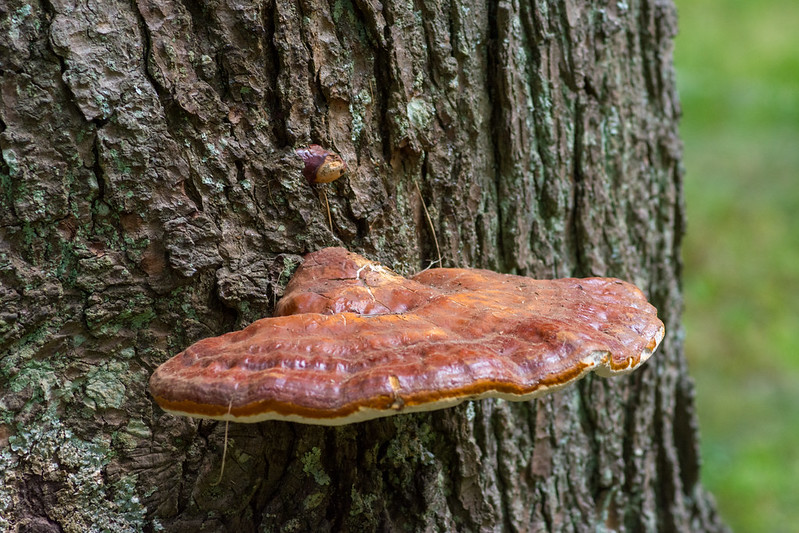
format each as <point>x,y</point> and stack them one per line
<point>738,76</point>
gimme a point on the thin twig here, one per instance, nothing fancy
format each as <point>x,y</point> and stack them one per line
<point>224,448</point>
<point>327,206</point>
<point>429,221</point>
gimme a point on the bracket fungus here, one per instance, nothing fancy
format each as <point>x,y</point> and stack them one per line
<point>352,340</point>
<point>321,166</point>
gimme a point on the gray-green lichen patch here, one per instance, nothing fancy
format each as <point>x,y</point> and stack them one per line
<point>358,106</point>
<point>7,496</point>
<point>420,113</point>
<point>312,465</point>
<point>361,503</point>
<point>104,386</point>
<point>41,380</point>
<point>16,21</point>
<point>412,448</point>
<point>313,500</point>
<point>111,311</point>
<point>73,471</point>
<point>412,444</point>
<point>133,433</point>
<point>290,264</point>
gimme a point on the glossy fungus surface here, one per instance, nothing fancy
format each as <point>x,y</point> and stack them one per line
<point>353,340</point>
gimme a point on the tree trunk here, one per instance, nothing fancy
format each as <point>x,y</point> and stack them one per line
<point>150,197</point>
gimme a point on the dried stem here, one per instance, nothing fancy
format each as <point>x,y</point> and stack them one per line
<point>224,448</point>
<point>429,221</point>
<point>327,206</point>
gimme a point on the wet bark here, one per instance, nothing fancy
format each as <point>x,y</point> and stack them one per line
<point>150,197</point>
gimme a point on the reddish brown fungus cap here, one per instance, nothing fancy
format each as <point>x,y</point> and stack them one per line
<point>354,340</point>
<point>321,166</point>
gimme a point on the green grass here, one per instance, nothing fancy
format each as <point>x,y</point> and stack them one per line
<point>738,73</point>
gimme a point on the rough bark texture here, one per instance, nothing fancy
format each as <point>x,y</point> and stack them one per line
<point>150,197</point>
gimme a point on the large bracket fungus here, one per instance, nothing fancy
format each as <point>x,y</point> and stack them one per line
<point>353,340</point>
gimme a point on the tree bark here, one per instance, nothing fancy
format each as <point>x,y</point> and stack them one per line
<point>150,197</point>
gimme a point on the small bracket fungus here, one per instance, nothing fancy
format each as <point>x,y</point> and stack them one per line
<point>321,166</point>
<point>353,340</point>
